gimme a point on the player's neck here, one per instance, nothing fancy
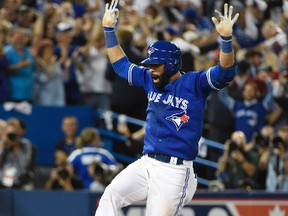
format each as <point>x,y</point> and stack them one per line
<point>175,76</point>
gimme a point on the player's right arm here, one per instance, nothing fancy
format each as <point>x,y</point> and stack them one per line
<point>109,21</point>
<point>134,74</point>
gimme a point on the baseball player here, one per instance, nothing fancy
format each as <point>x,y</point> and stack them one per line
<point>164,176</point>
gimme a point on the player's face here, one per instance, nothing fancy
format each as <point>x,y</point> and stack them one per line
<point>158,75</point>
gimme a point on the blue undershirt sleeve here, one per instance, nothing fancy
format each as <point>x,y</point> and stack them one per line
<point>226,99</point>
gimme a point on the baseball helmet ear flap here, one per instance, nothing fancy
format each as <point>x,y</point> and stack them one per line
<point>164,52</point>
<point>173,64</point>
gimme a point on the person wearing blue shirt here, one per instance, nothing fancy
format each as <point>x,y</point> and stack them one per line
<point>88,151</point>
<point>164,176</point>
<point>21,68</point>
<point>249,114</point>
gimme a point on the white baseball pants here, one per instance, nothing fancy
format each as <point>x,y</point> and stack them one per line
<point>165,187</point>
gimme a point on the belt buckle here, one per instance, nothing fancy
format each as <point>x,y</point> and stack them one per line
<point>173,160</point>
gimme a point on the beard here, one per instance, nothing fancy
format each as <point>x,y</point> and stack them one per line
<point>163,81</point>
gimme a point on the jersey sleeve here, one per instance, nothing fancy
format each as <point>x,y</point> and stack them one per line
<point>216,78</point>
<point>134,74</point>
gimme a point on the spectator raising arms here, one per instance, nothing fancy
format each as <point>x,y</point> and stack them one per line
<point>248,113</point>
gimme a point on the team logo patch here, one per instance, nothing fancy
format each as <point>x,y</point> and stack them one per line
<point>178,119</point>
<point>150,51</point>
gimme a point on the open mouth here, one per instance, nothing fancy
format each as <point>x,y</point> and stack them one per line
<point>155,77</point>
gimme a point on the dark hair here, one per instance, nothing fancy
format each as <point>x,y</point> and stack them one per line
<point>243,67</point>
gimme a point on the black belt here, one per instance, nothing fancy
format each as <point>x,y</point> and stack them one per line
<point>166,158</point>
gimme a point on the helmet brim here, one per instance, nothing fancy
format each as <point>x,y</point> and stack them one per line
<point>150,61</point>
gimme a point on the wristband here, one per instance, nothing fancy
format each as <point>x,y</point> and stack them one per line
<point>226,44</point>
<point>111,39</point>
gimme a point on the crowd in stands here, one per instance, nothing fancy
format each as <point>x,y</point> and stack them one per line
<point>52,53</point>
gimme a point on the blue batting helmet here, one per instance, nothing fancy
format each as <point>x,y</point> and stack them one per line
<point>164,52</point>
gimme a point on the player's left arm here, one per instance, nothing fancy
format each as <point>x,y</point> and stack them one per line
<point>219,76</point>
<point>224,26</point>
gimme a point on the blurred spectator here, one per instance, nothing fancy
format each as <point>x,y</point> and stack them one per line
<point>66,15</point>
<point>87,6</point>
<point>283,57</point>
<point>130,14</point>
<point>65,146</point>
<point>274,10</point>
<point>202,23</point>
<point>150,27</point>
<point>235,89</point>
<point>17,156</point>
<point>237,168</point>
<point>280,92</point>
<point>256,9</point>
<point>61,178</point>
<point>89,150</point>
<point>30,20</point>
<point>215,128</point>
<point>283,21</point>
<point>255,59</point>
<point>9,11</point>
<point>2,129</point>
<point>276,117</point>
<point>67,55</point>
<point>66,12</point>
<point>98,172</point>
<point>4,62</point>
<point>102,175</point>
<point>275,37</point>
<point>21,68</point>
<point>93,84</point>
<point>51,19</point>
<point>249,114</point>
<point>283,178</point>
<point>276,160</point>
<point>261,144</point>
<point>247,28</point>
<point>50,76</point>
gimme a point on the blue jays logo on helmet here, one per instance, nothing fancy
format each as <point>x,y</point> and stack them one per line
<point>150,51</point>
<point>164,52</point>
<point>178,119</point>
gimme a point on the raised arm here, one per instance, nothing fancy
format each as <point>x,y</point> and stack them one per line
<point>224,24</point>
<point>109,21</point>
<point>219,77</point>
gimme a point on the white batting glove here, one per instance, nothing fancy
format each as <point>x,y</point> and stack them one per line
<point>224,23</point>
<point>111,14</point>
